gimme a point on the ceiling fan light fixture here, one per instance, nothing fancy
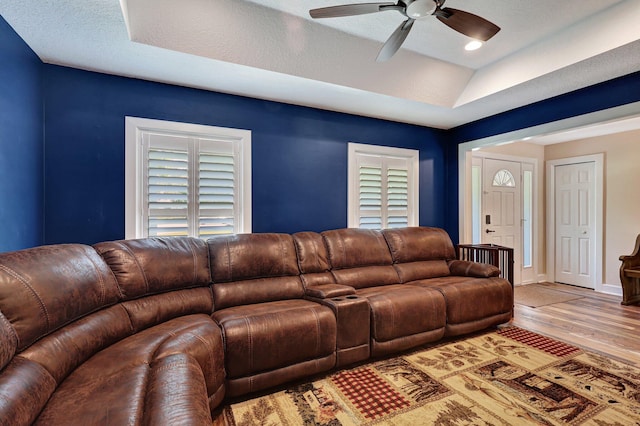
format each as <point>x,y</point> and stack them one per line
<point>465,23</point>
<point>473,45</point>
<point>420,8</point>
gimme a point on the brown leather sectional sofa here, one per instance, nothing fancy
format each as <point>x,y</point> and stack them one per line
<point>160,331</point>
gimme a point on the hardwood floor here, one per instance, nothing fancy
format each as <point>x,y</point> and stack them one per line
<point>595,321</point>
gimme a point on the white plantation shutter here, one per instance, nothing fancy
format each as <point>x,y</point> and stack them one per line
<point>167,192</point>
<point>217,189</point>
<point>383,187</point>
<point>190,180</point>
<point>397,196</point>
<point>370,196</point>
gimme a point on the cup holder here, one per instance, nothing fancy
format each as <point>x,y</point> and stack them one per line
<point>352,297</point>
<point>337,299</point>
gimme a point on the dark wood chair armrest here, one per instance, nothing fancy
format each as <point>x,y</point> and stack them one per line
<point>630,275</point>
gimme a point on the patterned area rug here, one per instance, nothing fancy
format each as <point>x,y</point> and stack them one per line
<point>505,377</point>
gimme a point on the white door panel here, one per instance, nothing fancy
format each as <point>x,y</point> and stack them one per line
<point>575,230</point>
<point>501,212</point>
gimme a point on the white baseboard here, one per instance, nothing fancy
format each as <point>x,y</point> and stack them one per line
<point>614,289</point>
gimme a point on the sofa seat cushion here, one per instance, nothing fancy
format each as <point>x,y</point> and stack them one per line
<point>271,335</point>
<point>120,381</point>
<point>399,310</point>
<point>470,299</point>
<point>94,394</point>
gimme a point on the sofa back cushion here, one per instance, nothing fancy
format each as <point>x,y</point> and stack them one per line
<point>313,259</point>
<point>359,257</point>
<point>44,288</point>
<point>253,268</point>
<point>420,252</point>
<point>157,265</point>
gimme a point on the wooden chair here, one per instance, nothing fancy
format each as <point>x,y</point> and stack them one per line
<point>630,276</point>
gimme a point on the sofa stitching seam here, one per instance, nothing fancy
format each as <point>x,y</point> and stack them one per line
<point>229,268</point>
<point>140,268</point>
<point>126,311</point>
<point>12,330</point>
<point>298,248</point>
<point>315,314</point>
<point>33,292</point>
<point>283,250</point>
<point>113,275</point>
<point>103,288</point>
<point>250,343</point>
<point>195,264</point>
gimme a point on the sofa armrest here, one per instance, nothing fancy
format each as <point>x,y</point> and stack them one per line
<point>353,321</point>
<point>327,291</point>
<point>465,268</point>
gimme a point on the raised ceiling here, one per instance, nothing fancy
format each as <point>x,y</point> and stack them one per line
<point>272,49</point>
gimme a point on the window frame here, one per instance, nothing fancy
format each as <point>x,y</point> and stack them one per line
<point>136,172</point>
<point>356,151</point>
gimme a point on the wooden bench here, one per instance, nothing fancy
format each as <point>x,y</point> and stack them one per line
<point>630,276</point>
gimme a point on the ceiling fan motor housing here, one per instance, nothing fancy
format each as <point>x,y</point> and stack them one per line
<point>417,9</point>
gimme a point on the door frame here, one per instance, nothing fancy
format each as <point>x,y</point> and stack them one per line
<point>550,177</point>
<point>534,202</point>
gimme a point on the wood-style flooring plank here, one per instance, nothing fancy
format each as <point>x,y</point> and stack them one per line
<point>595,322</point>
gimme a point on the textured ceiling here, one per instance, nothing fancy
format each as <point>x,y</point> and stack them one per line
<point>272,49</point>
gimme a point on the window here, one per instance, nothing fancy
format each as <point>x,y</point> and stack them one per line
<point>504,178</point>
<point>527,218</point>
<point>476,200</point>
<point>383,187</point>
<point>186,179</point>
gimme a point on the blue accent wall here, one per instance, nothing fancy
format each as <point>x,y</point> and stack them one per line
<point>21,143</point>
<point>62,149</point>
<point>299,155</point>
<point>608,94</point>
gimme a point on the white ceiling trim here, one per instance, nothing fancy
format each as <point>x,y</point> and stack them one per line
<point>609,30</point>
<point>269,49</point>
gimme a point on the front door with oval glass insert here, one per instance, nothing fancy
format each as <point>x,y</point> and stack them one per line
<point>501,216</point>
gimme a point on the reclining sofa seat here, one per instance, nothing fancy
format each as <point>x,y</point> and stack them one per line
<point>272,335</point>
<point>166,281</point>
<point>79,348</point>
<point>476,297</point>
<point>401,316</point>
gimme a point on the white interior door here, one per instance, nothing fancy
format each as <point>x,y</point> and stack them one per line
<point>575,228</point>
<point>501,215</point>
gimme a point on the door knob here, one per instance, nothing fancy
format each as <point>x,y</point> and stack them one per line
<point>488,231</point>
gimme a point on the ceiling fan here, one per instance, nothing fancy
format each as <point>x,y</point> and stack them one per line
<point>464,22</point>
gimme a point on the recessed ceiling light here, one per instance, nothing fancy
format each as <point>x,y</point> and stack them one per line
<point>473,45</point>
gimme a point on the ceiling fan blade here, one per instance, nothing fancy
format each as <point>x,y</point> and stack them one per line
<point>467,23</point>
<point>394,42</point>
<point>347,10</point>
